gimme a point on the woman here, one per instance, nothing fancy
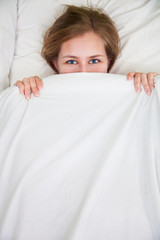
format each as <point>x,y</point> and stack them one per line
<point>82,40</point>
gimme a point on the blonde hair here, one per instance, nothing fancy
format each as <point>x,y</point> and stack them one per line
<point>77,21</point>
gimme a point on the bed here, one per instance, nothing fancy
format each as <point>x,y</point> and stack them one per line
<point>82,161</point>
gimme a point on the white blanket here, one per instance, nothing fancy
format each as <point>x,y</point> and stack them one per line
<point>81,162</point>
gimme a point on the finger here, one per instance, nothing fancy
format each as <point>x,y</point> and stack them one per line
<point>39,82</point>
<point>137,82</point>
<point>27,88</point>
<point>130,75</point>
<point>20,85</point>
<point>145,83</point>
<point>33,85</point>
<point>150,77</point>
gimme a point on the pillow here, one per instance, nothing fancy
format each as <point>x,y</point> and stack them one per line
<point>34,18</point>
<point>138,23</point>
<point>8,18</point>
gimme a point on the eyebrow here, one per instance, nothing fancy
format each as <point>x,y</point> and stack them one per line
<point>94,56</point>
<point>71,56</point>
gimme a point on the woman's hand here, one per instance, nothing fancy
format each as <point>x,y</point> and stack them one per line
<point>146,79</point>
<point>28,85</point>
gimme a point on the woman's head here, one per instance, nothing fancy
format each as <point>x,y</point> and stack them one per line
<point>89,31</point>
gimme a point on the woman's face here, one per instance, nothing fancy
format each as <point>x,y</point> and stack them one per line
<point>85,53</point>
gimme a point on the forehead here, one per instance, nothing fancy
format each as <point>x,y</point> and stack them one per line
<point>88,43</point>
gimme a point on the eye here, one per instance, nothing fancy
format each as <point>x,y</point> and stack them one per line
<point>71,61</point>
<point>94,61</point>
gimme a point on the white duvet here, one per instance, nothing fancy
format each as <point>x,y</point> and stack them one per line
<point>81,162</point>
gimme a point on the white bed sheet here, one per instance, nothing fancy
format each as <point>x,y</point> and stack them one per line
<point>81,161</point>
<point>8,21</point>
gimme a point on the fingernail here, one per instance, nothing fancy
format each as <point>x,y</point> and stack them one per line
<point>148,92</point>
<point>27,96</point>
<point>130,78</point>
<point>37,94</point>
<point>138,90</point>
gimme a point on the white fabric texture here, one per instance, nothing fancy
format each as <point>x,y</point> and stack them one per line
<point>34,18</point>
<point>81,161</point>
<point>138,24</point>
<point>8,19</point>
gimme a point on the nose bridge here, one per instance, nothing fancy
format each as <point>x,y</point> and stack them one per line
<point>83,67</point>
